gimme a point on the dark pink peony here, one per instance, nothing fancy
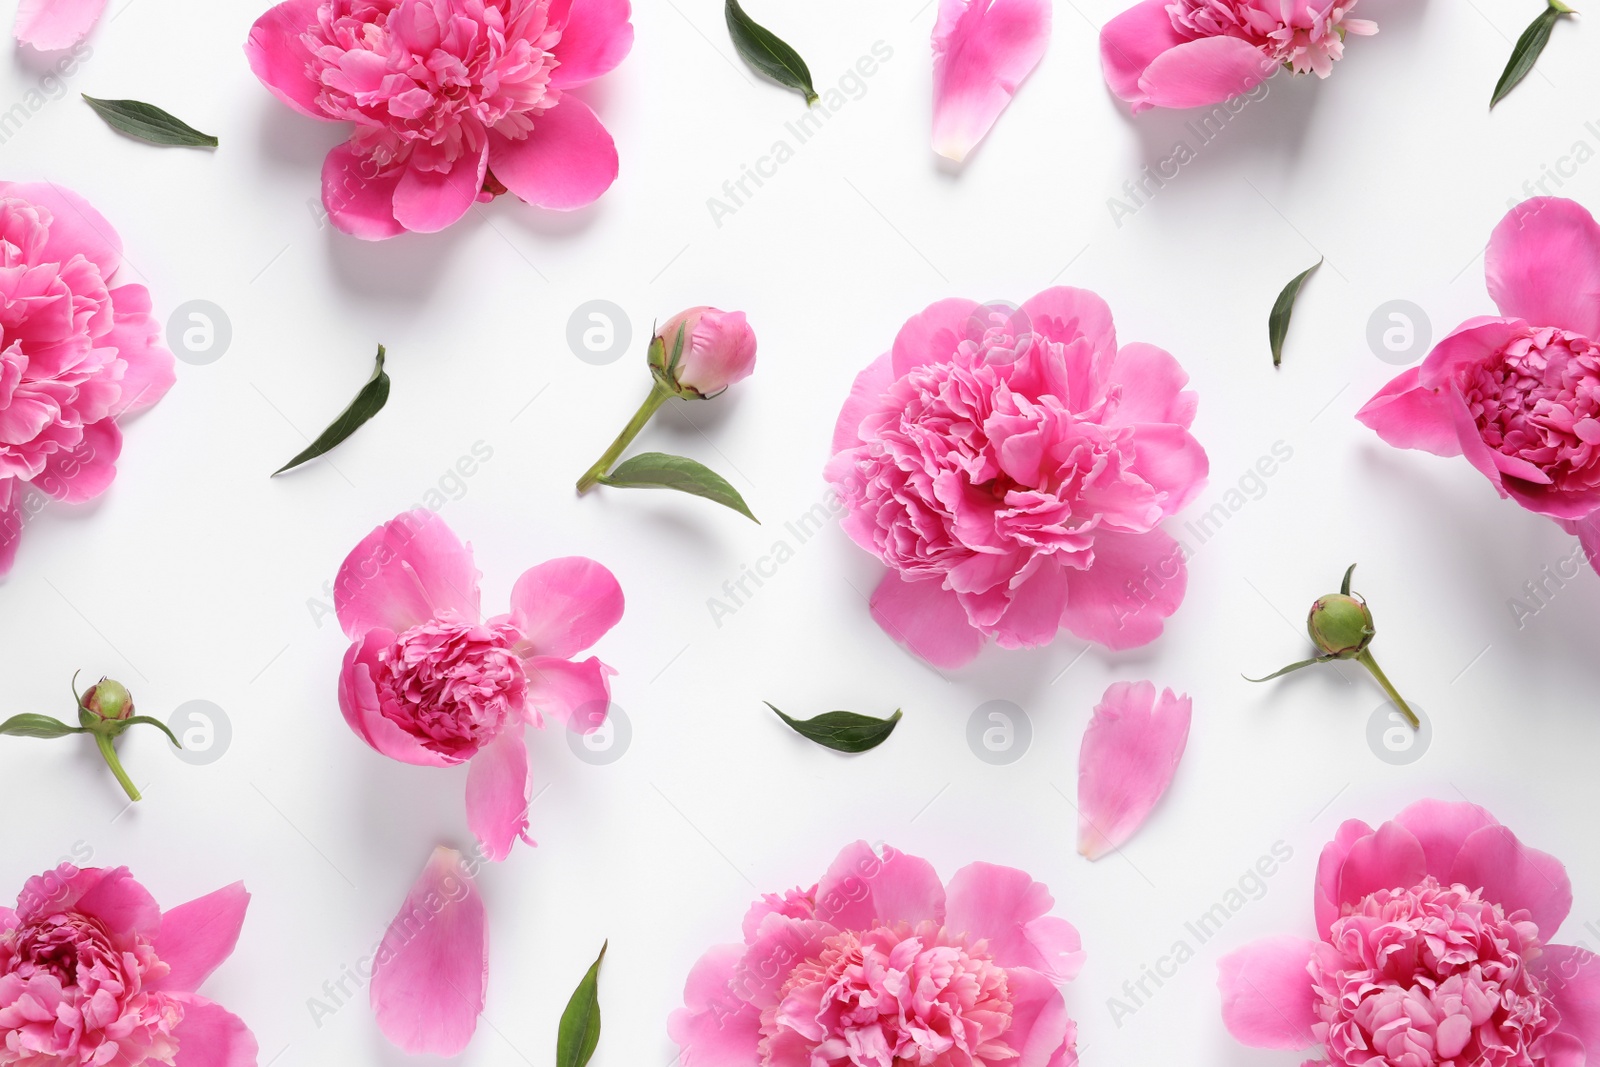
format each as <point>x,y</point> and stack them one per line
<point>1012,470</point>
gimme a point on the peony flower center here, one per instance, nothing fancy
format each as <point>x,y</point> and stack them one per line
<point>1540,402</point>
<point>453,684</point>
<point>1431,975</point>
<point>1304,35</point>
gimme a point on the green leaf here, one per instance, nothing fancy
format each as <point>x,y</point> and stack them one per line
<point>842,731</point>
<point>768,53</point>
<point>1286,670</point>
<point>580,1023</point>
<point>149,123</point>
<point>1344,587</point>
<point>1526,51</point>
<point>367,403</point>
<point>145,720</point>
<point>657,470</point>
<point>1278,322</point>
<point>37,726</point>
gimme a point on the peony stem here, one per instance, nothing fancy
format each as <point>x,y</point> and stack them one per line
<point>1366,660</point>
<point>109,751</point>
<point>652,403</point>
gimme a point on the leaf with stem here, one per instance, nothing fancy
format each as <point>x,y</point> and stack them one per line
<point>149,123</point>
<point>657,470</point>
<point>768,53</point>
<point>368,402</point>
<point>579,1032</point>
<point>1527,49</point>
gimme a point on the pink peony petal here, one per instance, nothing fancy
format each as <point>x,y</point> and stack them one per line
<point>926,618</point>
<point>11,523</point>
<point>404,573</point>
<point>1390,859</point>
<point>1204,72</point>
<point>1130,42</point>
<point>716,1027</point>
<point>1065,315</point>
<point>564,606</point>
<point>1172,461</point>
<point>863,886</point>
<point>565,163</point>
<point>1515,876</point>
<point>75,227</point>
<point>931,336</point>
<point>211,1036</point>
<point>279,57</point>
<point>576,694</point>
<point>1033,615</point>
<point>1150,387</point>
<point>1543,265</point>
<point>359,196</point>
<point>864,399</point>
<point>597,36</point>
<point>363,708</point>
<point>427,201</point>
<point>116,899</point>
<point>197,937</point>
<point>1009,910</point>
<point>136,335</point>
<point>1406,415</point>
<point>1442,827</point>
<point>1129,755</point>
<point>1267,1001</point>
<point>8,919</point>
<point>982,50</point>
<point>1475,341</point>
<point>53,24</point>
<point>432,968</point>
<point>499,788</point>
<point>1326,898</point>
<point>1041,1032</point>
<point>1572,976</point>
<point>1136,582</point>
<point>87,469</point>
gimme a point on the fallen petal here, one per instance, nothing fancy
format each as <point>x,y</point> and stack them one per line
<point>982,49</point>
<point>1130,752</point>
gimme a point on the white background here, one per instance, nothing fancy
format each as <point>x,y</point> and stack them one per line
<point>196,577</point>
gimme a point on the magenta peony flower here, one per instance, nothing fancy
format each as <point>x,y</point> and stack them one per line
<point>879,965</point>
<point>1012,470</point>
<point>454,101</point>
<point>719,350</point>
<point>1434,952</point>
<point>92,973</point>
<point>75,354</point>
<point>1196,53</point>
<point>429,681</point>
<point>49,25</point>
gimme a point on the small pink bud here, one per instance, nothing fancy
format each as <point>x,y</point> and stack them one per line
<point>702,351</point>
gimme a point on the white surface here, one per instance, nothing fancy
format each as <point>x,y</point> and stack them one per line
<point>197,578</point>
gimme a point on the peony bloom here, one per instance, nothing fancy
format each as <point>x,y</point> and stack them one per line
<point>719,349</point>
<point>1519,394</point>
<point>879,965</point>
<point>75,354</point>
<point>454,101</point>
<point>1433,951</point>
<point>92,973</point>
<point>1129,754</point>
<point>49,25</point>
<point>982,50</point>
<point>1012,470</point>
<point>1196,53</point>
<point>429,681</point>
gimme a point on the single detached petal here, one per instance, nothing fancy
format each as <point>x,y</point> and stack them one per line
<point>1130,753</point>
<point>359,196</point>
<point>1515,876</point>
<point>1009,910</point>
<point>427,201</point>
<point>1130,42</point>
<point>1267,1000</point>
<point>565,163</point>
<point>982,50</point>
<point>1136,582</point>
<point>926,618</point>
<point>564,606</point>
<point>1543,265</point>
<point>576,694</point>
<point>863,886</point>
<point>406,572</point>
<point>597,36</point>
<point>196,937</point>
<point>499,788</point>
<point>716,1027</point>
<point>279,57</point>
<point>51,24</point>
<point>1407,415</point>
<point>433,965</point>
<point>211,1036</point>
<point>1203,72</point>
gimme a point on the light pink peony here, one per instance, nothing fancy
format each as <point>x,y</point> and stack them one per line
<point>1196,53</point>
<point>92,973</point>
<point>1434,952</point>
<point>429,681</point>
<point>454,101</point>
<point>49,25</point>
<point>1012,470</point>
<point>719,349</point>
<point>75,354</point>
<point>879,965</point>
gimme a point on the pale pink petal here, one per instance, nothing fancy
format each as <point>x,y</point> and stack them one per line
<point>1515,876</point>
<point>577,694</point>
<point>1442,827</point>
<point>863,886</point>
<point>87,469</point>
<point>1129,755</point>
<point>1130,42</point>
<point>359,196</point>
<point>982,50</point>
<point>404,573</point>
<point>8,919</point>
<point>136,335</point>
<point>53,24</point>
<point>280,58</point>
<point>1066,315</point>
<point>212,1036</point>
<point>1203,72</point>
<point>1033,614</point>
<point>1267,1000</point>
<point>1009,910</point>
<point>432,967</point>
<point>1326,898</point>
<point>1543,265</point>
<point>716,1027</point>
<point>499,788</point>
<point>565,163</point>
<point>11,523</point>
<point>75,227</point>
<point>1572,976</point>
<point>596,37</point>
<point>866,394</point>
<point>932,335</point>
<point>197,937</point>
<point>426,201</point>
<point>1136,582</point>
<point>564,606</point>
<point>926,618</point>
<point>1172,461</point>
<point>1040,1027</point>
<point>1407,415</point>
<point>1392,858</point>
<point>362,705</point>
<point>1150,387</point>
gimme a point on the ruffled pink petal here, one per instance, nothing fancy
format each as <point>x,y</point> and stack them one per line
<point>1067,315</point>
<point>1130,753</point>
<point>1475,341</point>
<point>1267,1001</point>
<point>1515,876</point>
<point>1150,387</point>
<point>1009,910</point>
<point>406,572</point>
<point>197,937</point>
<point>362,706</point>
<point>1203,72</point>
<point>576,694</point>
<point>499,788</point>
<point>982,50</point>
<point>8,919</point>
<point>1033,615</point>
<point>1407,415</point>
<point>432,967</point>
<point>116,899</point>
<point>1135,582</point>
<point>931,335</point>
<point>863,886</point>
<point>280,58</point>
<point>1326,897</point>
<point>75,227</point>
<point>1442,827</point>
<point>926,618</point>
<point>211,1036</point>
<point>565,163</point>
<point>596,37</point>
<point>564,606</point>
<point>87,469</point>
<point>866,397</point>
<point>1041,1031</point>
<point>1390,859</point>
<point>53,24</point>
<point>1572,976</point>
<point>716,1027</point>
<point>360,198</point>
<point>1130,42</point>
<point>136,336</point>
<point>427,201</point>
<point>1543,265</point>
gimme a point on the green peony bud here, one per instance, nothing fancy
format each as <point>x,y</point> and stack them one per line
<point>108,699</point>
<point>1340,626</point>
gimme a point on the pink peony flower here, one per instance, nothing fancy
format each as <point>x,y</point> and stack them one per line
<point>92,973</point>
<point>49,25</point>
<point>1196,53</point>
<point>429,681</point>
<point>982,51</point>
<point>1126,762</point>
<point>454,101</point>
<point>1012,470</point>
<point>719,350</point>
<point>75,354</point>
<point>1434,952</point>
<point>879,965</point>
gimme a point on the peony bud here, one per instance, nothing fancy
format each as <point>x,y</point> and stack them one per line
<point>702,351</point>
<point>108,699</point>
<point>1340,626</point>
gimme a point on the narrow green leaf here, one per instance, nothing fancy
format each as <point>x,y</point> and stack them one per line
<point>145,720</point>
<point>1278,321</point>
<point>1286,670</point>
<point>580,1023</point>
<point>842,731</point>
<point>1344,587</point>
<point>42,726</point>
<point>657,470</point>
<point>768,53</point>
<point>149,123</point>
<point>367,403</point>
<point>1527,49</point>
